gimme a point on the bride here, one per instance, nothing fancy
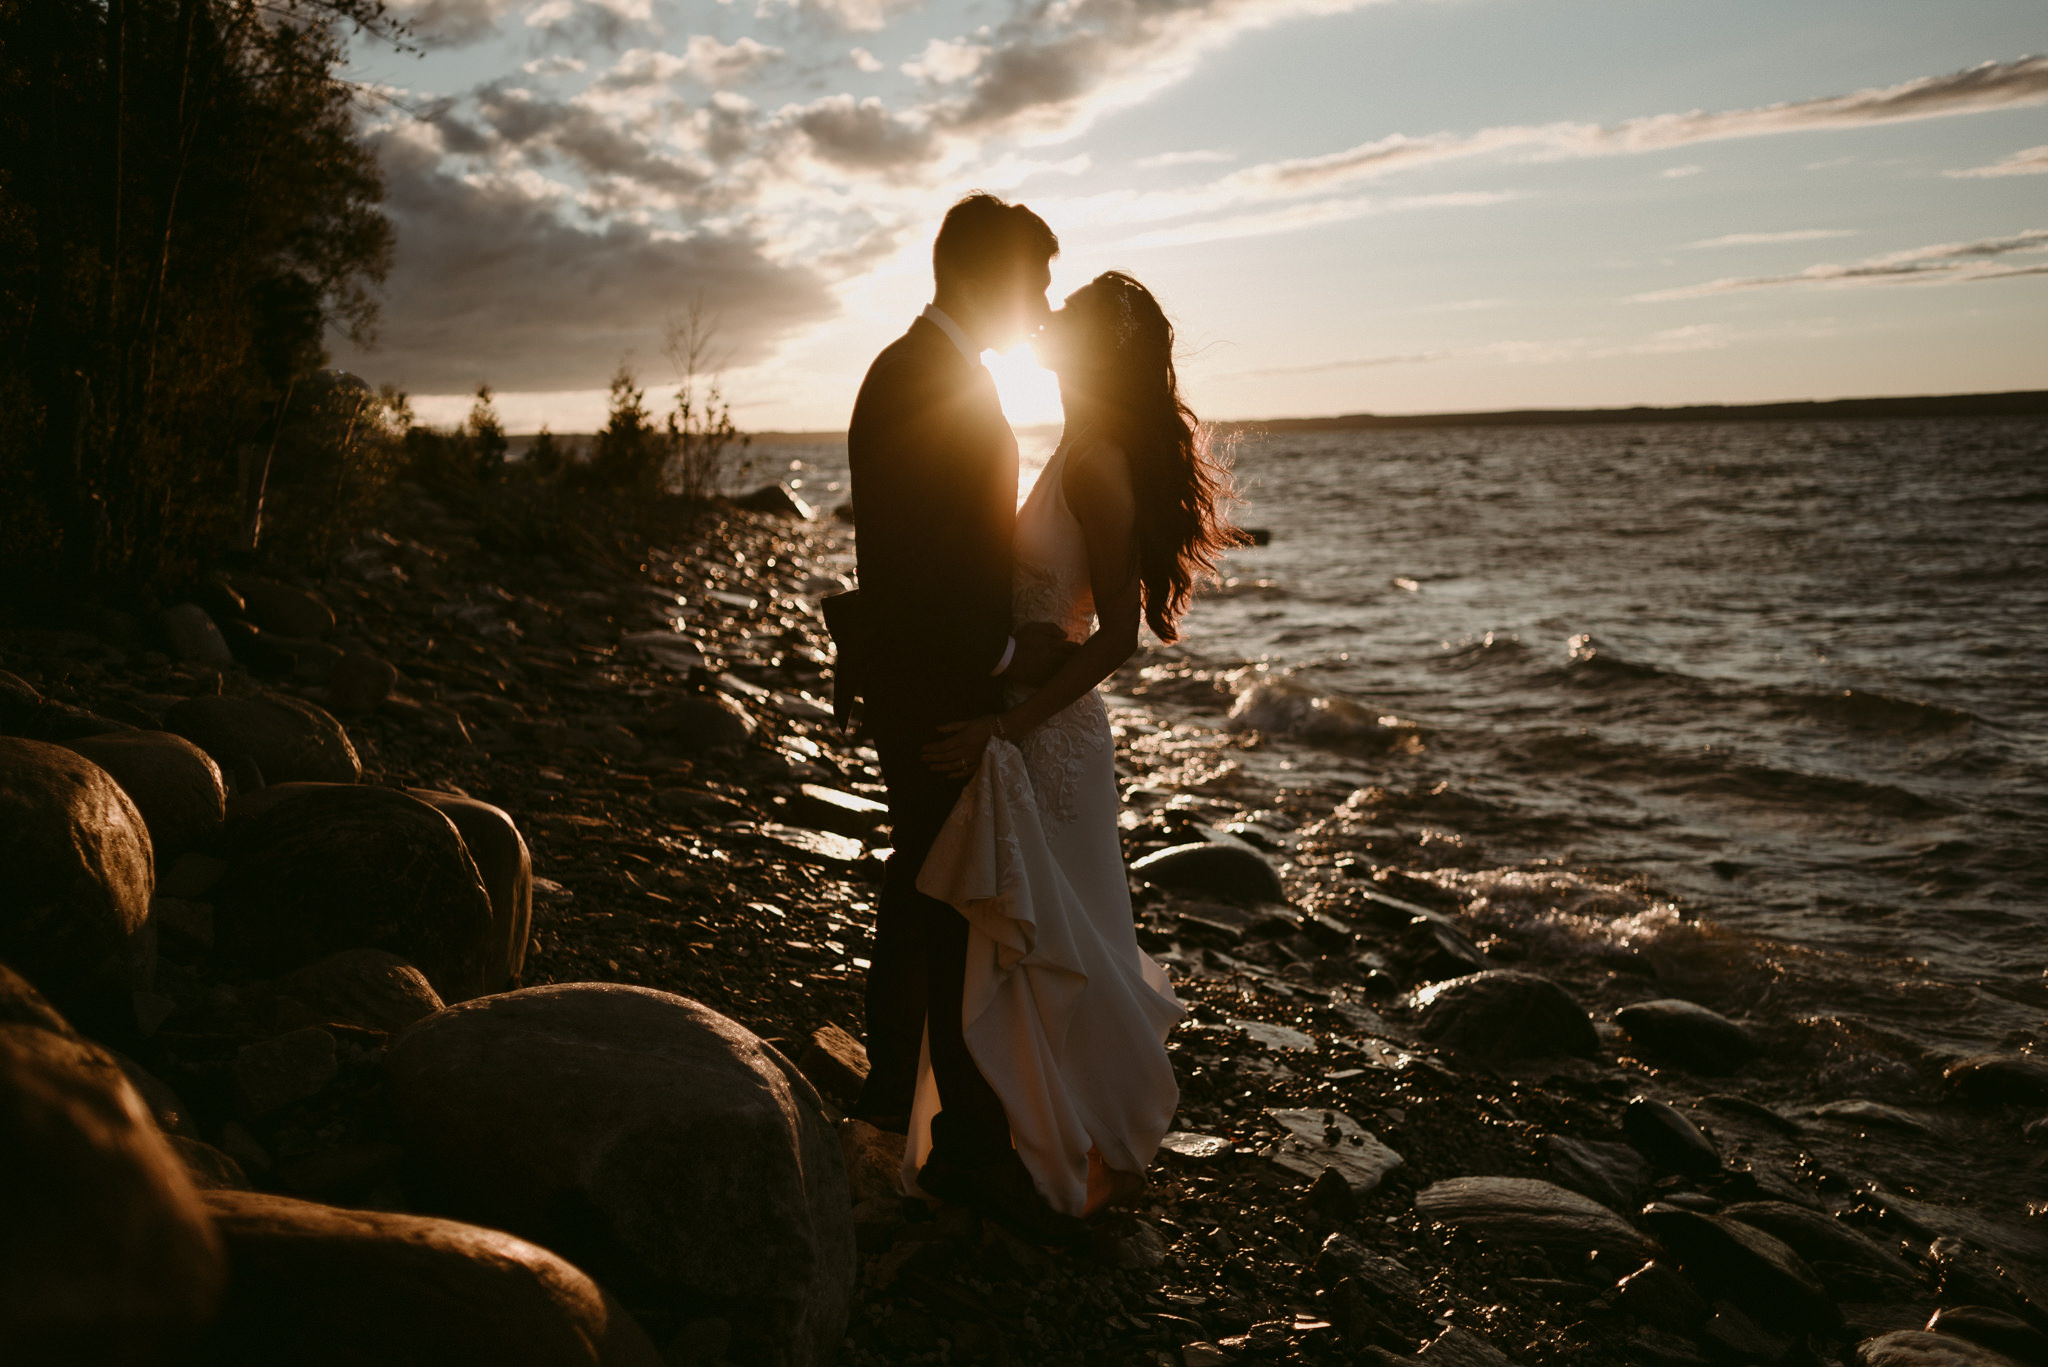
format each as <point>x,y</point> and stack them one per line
<point>1063,1013</point>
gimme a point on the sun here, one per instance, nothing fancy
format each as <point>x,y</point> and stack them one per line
<point>1030,393</point>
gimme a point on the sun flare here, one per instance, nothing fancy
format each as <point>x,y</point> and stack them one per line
<point>1030,393</point>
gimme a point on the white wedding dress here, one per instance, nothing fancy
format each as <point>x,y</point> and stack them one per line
<point>1065,1016</point>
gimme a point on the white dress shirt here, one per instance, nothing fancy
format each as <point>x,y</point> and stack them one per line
<point>938,318</point>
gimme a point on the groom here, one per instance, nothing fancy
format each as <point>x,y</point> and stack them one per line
<point>934,468</point>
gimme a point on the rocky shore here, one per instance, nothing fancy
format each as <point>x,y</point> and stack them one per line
<point>457,957</point>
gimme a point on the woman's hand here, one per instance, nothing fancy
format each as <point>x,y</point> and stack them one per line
<point>959,753</point>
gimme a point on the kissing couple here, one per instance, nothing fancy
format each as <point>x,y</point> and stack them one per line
<point>1015,1031</point>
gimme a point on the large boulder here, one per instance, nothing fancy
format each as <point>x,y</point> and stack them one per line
<point>371,988</point>
<point>193,637</point>
<point>106,1254</point>
<point>702,721</point>
<point>74,898</point>
<point>344,867</point>
<point>282,609</point>
<point>1687,1034</point>
<point>1506,1014</point>
<point>175,784</point>
<point>1512,1211</point>
<point>657,1144</point>
<point>317,1286</point>
<point>21,1004</point>
<point>1234,872</point>
<point>288,739</point>
<point>1758,1271</point>
<point>505,865</point>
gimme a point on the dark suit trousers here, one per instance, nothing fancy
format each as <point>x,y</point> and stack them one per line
<point>918,970</point>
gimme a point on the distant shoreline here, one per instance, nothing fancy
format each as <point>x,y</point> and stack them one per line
<point>2019,403</point>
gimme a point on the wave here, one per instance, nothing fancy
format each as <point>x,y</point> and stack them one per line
<point>1281,707</point>
<point>1862,710</point>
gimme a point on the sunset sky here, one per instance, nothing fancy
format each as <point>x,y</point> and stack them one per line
<point>1347,205</point>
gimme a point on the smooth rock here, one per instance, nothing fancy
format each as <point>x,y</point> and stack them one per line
<point>1342,1256</point>
<point>324,1287</point>
<point>1669,1139</point>
<point>21,1004</point>
<point>288,739</point>
<point>1686,1033</point>
<point>1232,873</point>
<point>775,498</point>
<point>1462,1348</point>
<point>1999,1079</point>
<point>815,846</point>
<point>664,1148</point>
<point>345,867</point>
<point>371,988</point>
<point>358,682</point>
<point>283,609</point>
<point>835,1062</point>
<point>274,1073</point>
<point>106,1254</point>
<point>210,1169</point>
<point>1816,1237</point>
<point>174,784</point>
<point>506,867</point>
<point>1741,1338</point>
<point>1658,1293</point>
<point>1998,1330</point>
<point>1318,1141</point>
<point>829,809</point>
<point>193,637</point>
<point>74,900</point>
<point>1522,1210</point>
<point>1506,1014</point>
<point>1435,949</point>
<point>702,722</point>
<point>1612,1174</point>
<point>1757,1271</point>
<point>1919,1348</point>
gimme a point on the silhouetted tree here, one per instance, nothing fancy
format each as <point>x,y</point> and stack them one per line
<point>631,450</point>
<point>703,442</point>
<point>487,444</point>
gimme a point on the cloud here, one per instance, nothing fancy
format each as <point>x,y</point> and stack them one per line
<point>1196,157</point>
<point>1760,239</point>
<point>604,22</point>
<point>1979,89</point>
<point>451,23</point>
<point>2031,162</point>
<point>494,282</point>
<point>1680,172</point>
<point>946,61</point>
<point>1670,341</point>
<point>860,134</point>
<point>616,156</point>
<point>1942,264</point>
<point>863,60</point>
<point>1313,214</point>
<point>851,16</point>
<point>703,59</point>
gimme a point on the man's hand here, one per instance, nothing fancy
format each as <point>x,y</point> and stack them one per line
<point>1041,650</point>
<point>958,755</point>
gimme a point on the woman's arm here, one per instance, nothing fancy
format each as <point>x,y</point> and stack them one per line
<point>1098,490</point>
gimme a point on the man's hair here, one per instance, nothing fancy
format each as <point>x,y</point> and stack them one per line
<point>983,236</point>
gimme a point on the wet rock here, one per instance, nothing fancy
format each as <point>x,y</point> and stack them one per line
<point>1826,1243</point>
<point>1658,1293</point>
<point>1727,1258</point>
<point>274,1073</point>
<point>1506,1014</point>
<point>1435,949</point>
<point>835,1062</point>
<point>316,1284</point>
<point>175,784</point>
<point>283,609</point>
<point>1669,1139</point>
<point>848,814</point>
<point>1687,1034</point>
<point>345,867</point>
<point>1919,1348</point>
<point>1342,1256</point>
<point>775,498</point>
<point>193,637</point>
<point>1318,1142</point>
<point>289,740</point>
<point>663,1147</point>
<point>506,867</point>
<point>1522,1210</point>
<point>1233,873</point>
<point>359,682</point>
<point>1462,1348</point>
<point>1741,1338</point>
<point>74,900</point>
<point>702,722</point>
<point>1612,1174</point>
<point>106,1254</point>
<point>1991,1328</point>
<point>1999,1079</point>
<point>372,988</point>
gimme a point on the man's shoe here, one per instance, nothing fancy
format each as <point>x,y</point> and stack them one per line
<point>1001,1189</point>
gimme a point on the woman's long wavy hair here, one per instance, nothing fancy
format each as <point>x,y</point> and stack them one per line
<point>1183,490</point>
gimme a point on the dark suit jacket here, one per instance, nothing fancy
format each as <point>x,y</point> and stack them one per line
<point>934,469</point>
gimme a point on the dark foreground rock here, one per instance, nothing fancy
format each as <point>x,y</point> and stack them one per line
<point>106,1254</point>
<point>1998,1330</point>
<point>1837,1252</point>
<point>1234,873</point>
<point>1522,1210</point>
<point>318,1285</point>
<point>78,871</point>
<point>506,867</point>
<point>288,739</point>
<point>661,1146</point>
<point>1506,1014</point>
<point>1685,1033</point>
<point>334,868</point>
<point>1919,1348</point>
<point>371,988</point>
<point>1612,1174</point>
<point>175,784</point>
<point>1760,1273</point>
<point>1667,1137</point>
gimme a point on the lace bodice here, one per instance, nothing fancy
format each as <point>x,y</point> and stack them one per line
<point>1050,584</point>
